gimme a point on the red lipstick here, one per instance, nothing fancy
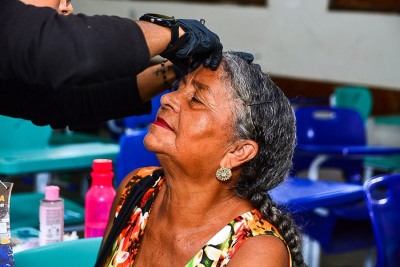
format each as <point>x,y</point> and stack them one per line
<point>162,123</point>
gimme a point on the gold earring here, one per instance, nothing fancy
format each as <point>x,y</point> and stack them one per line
<point>223,174</point>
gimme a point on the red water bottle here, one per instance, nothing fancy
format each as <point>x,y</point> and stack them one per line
<point>99,198</point>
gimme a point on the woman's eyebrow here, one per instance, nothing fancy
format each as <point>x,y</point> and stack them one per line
<point>199,85</point>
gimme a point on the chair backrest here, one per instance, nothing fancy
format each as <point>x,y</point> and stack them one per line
<point>355,97</point>
<point>326,125</point>
<point>142,121</point>
<point>78,253</point>
<point>19,133</point>
<point>329,126</point>
<point>133,154</point>
<point>383,200</point>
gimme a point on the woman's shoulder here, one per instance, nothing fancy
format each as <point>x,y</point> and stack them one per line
<point>263,235</point>
<point>265,249</point>
<point>136,175</point>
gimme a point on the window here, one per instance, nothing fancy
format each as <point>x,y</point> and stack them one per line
<point>366,5</point>
<point>238,2</point>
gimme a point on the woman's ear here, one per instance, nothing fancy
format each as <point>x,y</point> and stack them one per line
<point>240,153</point>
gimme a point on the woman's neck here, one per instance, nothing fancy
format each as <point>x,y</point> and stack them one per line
<point>188,201</point>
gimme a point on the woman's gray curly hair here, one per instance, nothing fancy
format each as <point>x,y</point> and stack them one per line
<point>263,114</point>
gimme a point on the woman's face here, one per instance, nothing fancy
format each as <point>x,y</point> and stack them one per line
<point>63,7</point>
<point>194,123</point>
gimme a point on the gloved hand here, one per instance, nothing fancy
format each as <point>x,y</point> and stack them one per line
<point>197,46</point>
<point>243,55</point>
<point>246,56</point>
<point>178,76</point>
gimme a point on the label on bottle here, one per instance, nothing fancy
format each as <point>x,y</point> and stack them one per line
<point>51,225</point>
<point>6,252</point>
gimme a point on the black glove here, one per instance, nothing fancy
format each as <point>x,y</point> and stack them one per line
<point>179,73</point>
<point>197,46</point>
<point>178,76</point>
<point>245,56</point>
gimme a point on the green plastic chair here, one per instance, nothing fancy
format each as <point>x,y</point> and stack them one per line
<point>355,97</point>
<point>24,212</point>
<point>25,149</point>
<point>385,164</point>
<point>360,99</point>
<point>77,253</point>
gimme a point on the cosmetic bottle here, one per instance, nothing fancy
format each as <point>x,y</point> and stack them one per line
<point>99,198</point>
<point>51,216</point>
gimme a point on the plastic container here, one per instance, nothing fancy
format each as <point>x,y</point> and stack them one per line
<point>99,198</point>
<point>51,216</point>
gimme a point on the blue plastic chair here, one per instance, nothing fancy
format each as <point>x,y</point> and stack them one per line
<point>330,126</point>
<point>142,121</point>
<point>137,122</point>
<point>382,194</point>
<point>133,154</point>
<point>78,253</point>
<point>335,126</point>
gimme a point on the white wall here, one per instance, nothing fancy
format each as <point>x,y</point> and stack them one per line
<point>296,38</point>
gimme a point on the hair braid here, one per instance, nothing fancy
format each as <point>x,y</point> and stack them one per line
<point>284,224</point>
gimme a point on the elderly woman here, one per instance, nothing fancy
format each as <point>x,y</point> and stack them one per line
<point>224,139</point>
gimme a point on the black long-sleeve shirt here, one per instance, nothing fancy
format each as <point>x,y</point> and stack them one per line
<point>71,70</point>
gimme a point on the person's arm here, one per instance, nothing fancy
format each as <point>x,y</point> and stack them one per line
<point>40,47</point>
<point>155,80</point>
<point>262,250</point>
<point>81,107</point>
<point>77,107</point>
<point>157,37</point>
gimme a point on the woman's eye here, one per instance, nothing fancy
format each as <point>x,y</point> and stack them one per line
<point>195,99</point>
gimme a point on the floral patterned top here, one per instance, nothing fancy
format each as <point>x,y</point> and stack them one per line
<point>218,250</point>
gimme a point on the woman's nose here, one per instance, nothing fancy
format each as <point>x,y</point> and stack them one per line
<point>170,100</point>
<point>65,7</point>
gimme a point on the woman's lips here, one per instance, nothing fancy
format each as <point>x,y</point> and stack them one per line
<point>162,123</point>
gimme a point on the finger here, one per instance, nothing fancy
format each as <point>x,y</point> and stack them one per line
<point>216,58</point>
<point>244,55</point>
<point>206,62</point>
<point>194,65</point>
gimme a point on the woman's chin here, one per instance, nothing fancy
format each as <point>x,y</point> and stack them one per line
<point>152,143</point>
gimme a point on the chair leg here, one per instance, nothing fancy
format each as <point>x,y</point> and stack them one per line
<point>41,180</point>
<point>311,251</point>
<point>369,258</point>
<point>313,171</point>
<point>368,173</point>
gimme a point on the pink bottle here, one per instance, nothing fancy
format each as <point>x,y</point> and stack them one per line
<point>99,198</point>
<point>51,216</point>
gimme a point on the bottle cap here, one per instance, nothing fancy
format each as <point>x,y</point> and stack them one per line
<point>52,192</point>
<point>102,165</point>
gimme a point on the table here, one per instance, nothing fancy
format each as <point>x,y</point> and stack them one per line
<point>324,152</point>
<point>302,194</point>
